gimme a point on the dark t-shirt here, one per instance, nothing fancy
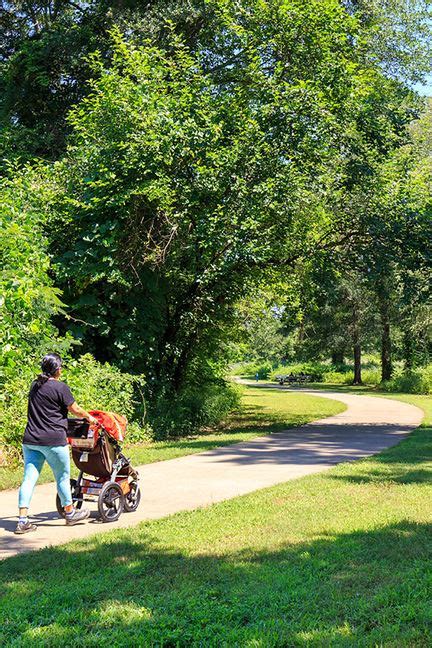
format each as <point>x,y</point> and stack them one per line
<point>47,413</point>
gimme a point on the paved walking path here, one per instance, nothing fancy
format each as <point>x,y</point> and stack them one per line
<point>367,426</point>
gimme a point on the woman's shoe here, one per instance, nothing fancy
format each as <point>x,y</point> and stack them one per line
<point>78,515</point>
<point>25,527</point>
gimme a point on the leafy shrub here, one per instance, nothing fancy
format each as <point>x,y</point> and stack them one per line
<point>198,406</point>
<point>138,431</point>
<point>13,409</point>
<point>416,381</point>
<point>338,377</point>
<point>28,299</point>
<point>252,368</point>
<point>371,376</point>
<point>102,386</point>
<point>94,386</point>
<point>105,387</point>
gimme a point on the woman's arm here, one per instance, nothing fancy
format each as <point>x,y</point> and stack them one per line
<point>81,413</point>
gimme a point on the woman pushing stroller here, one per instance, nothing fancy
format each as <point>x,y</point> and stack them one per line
<point>49,402</point>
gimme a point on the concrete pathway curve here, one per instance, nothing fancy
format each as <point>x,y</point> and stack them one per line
<point>367,426</point>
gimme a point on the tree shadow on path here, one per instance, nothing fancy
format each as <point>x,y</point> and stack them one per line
<point>407,463</point>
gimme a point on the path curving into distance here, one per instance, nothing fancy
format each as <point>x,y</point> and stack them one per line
<point>367,426</point>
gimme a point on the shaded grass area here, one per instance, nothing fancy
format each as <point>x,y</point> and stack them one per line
<point>261,413</point>
<point>341,558</point>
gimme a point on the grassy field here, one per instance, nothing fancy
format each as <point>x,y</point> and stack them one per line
<point>262,412</point>
<point>341,558</point>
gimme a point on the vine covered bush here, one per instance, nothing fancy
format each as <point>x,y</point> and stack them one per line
<point>415,381</point>
<point>94,386</point>
<point>28,303</point>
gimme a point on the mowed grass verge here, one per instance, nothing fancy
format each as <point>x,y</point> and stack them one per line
<point>341,558</point>
<point>262,412</point>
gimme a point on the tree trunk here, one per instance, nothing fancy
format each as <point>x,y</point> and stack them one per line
<point>300,334</point>
<point>356,347</point>
<point>357,365</point>
<point>386,350</point>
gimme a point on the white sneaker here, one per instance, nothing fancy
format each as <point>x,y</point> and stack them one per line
<point>78,515</point>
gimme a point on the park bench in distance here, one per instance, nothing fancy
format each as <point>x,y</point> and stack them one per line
<point>292,379</point>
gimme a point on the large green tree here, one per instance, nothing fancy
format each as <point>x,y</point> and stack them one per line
<point>189,175</point>
<point>44,48</point>
<point>382,275</point>
<point>177,196</point>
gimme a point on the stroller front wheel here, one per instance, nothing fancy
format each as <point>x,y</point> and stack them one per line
<point>133,498</point>
<point>111,502</point>
<point>76,500</point>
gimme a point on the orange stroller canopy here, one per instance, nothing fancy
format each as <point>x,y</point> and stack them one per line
<point>114,424</point>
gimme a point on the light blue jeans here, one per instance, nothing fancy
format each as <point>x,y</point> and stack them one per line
<point>59,462</point>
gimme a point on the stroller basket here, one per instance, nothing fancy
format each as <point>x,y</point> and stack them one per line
<point>95,448</point>
<point>97,460</point>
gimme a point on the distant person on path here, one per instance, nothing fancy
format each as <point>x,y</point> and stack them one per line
<point>257,376</point>
<point>49,401</point>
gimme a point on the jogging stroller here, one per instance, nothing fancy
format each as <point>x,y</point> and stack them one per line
<point>96,452</point>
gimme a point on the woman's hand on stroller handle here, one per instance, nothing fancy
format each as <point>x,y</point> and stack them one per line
<point>75,409</point>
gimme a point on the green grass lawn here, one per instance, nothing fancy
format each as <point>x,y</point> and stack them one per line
<point>262,412</point>
<point>341,558</point>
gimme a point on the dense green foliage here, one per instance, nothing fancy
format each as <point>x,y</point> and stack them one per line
<point>28,303</point>
<point>44,47</point>
<point>28,299</point>
<point>412,381</point>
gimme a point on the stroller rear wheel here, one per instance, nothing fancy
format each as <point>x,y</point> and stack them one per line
<point>77,499</point>
<point>111,502</point>
<point>133,498</point>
